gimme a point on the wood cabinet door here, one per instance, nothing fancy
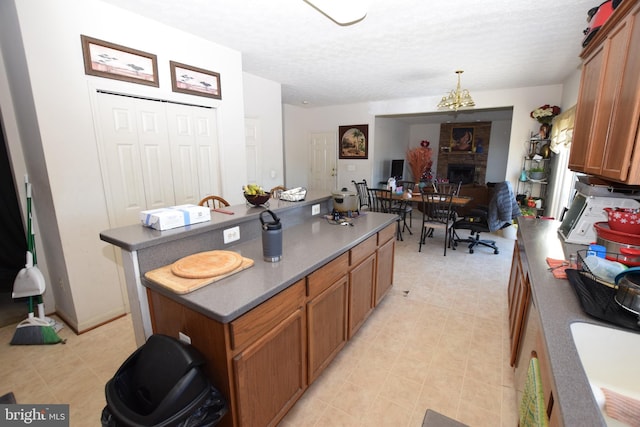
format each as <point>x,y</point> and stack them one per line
<point>327,326</point>
<point>361,284</point>
<point>614,58</point>
<point>521,305</point>
<point>271,374</point>
<point>514,277</point>
<point>622,144</point>
<point>586,109</point>
<point>384,269</point>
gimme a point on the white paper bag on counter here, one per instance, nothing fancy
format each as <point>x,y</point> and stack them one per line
<point>174,216</point>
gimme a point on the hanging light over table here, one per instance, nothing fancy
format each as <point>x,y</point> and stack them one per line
<point>458,98</point>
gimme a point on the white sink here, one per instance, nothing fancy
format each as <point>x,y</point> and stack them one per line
<point>610,358</point>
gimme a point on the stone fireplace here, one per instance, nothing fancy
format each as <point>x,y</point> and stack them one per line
<point>470,167</point>
<point>461,173</point>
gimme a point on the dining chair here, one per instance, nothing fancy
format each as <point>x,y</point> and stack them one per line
<point>436,214</point>
<point>363,195</point>
<point>214,202</point>
<point>448,187</point>
<point>407,186</point>
<point>381,200</point>
<point>277,191</point>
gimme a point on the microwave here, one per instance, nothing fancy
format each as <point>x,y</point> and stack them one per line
<point>577,224</point>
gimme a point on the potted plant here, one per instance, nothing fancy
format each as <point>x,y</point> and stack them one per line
<point>419,160</point>
<point>536,173</point>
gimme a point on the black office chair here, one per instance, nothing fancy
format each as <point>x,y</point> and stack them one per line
<point>502,210</point>
<point>363,195</point>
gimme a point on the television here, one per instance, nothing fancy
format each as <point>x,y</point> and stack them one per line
<point>397,169</point>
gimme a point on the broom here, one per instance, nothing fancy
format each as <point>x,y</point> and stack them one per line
<point>33,330</point>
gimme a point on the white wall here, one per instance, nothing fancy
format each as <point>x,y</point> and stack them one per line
<point>498,151</point>
<point>263,101</point>
<point>392,138</point>
<point>299,123</point>
<point>522,100</point>
<point>52,99</point>
<point>296,147</point>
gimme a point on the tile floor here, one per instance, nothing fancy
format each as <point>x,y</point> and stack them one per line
<point>439,340</point>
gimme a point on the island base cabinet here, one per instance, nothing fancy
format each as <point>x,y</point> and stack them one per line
<point>274,366</point>
<point>384,269</point>
<point>361,284</point>
<point>533,346</point>
<point>327,326</point>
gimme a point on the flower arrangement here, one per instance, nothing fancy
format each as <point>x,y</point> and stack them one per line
<point>545,113</point>
<point>419,160</point>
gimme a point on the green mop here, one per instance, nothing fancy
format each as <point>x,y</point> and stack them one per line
<point>30,283</point>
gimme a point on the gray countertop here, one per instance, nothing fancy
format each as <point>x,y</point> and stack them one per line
<point>559,306</point>
<point>306,247</point>
<point>136,237</point>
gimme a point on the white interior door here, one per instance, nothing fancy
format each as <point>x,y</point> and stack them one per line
<point>323,171</point>
<point>252,146</point>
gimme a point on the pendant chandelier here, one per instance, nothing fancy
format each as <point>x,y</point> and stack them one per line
<point>457,98</point>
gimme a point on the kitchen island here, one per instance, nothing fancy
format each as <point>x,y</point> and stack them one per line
<point>553,307</point>
<point>144,249</point>
<point>267,332</point>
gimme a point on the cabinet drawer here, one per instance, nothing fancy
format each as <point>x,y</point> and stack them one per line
<point>326,276</point>
<point>386,234</point>
<point>363,250</point>
<point>266,316</point>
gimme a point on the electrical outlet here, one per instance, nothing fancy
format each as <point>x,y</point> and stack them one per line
<point>231,234</point>
<point>315,209</point>
<point>184,338</point>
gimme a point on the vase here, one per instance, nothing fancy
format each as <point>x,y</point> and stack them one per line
<point>545,151</point>
<point>545,131</point>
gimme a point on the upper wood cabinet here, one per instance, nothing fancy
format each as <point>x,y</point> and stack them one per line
<point>606,140</point>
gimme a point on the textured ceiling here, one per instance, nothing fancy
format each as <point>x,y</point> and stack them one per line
<point>402,48</point>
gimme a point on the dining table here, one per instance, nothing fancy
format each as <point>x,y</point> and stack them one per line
<point>416,197</point>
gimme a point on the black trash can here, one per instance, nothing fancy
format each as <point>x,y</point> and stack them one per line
<point>162,384</point>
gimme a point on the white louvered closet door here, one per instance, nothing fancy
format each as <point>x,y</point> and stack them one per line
<point>194,152</point>
<point>135,157</point>
<point>155,154</point>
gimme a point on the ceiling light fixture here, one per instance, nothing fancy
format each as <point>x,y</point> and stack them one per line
<point>342,12</point>
<point>457,98</point>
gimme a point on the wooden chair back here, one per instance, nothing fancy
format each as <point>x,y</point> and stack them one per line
<point>214,202</point>
<point>277,191</point>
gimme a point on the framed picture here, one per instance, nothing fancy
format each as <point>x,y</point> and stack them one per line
<point>195,81</point>
<point>462,139</point>
<point>104,59</point>
<point>354,141</point>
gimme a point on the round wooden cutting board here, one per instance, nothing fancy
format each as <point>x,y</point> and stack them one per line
<point>206,264</point>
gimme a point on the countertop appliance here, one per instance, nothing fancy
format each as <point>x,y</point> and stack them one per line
<point>587,208</point>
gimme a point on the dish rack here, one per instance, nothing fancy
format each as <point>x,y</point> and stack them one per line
<point>584,268</point>
<point>597,297</point>
<point>294,195</point>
